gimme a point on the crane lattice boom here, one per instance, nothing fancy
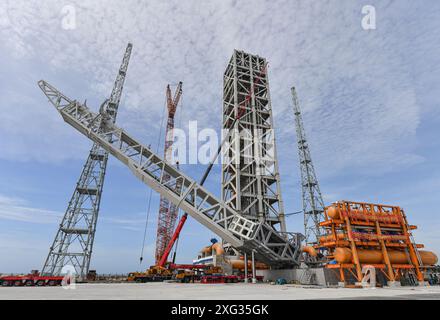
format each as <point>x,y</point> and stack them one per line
<point>168,212</point>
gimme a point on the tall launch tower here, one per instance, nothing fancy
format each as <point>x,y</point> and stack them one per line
<point>250,176</point>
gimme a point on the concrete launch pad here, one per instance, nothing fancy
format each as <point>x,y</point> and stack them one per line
<point>155,291</point>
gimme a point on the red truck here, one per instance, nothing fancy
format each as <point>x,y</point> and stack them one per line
<point>32,279</point>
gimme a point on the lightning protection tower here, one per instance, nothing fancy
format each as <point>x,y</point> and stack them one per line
<point>313,204</point>
<point>250,176</point>
<point>73,242</point>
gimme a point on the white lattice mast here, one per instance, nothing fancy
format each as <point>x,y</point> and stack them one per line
<point>73,243</point>
<point>250,175</point>
<point>168,212</point>
<point>313,204</point>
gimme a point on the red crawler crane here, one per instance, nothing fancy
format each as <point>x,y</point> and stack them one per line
<point>167,211</point>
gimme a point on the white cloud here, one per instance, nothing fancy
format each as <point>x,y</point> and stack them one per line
<point>359,105</point>
<point>17,209</point>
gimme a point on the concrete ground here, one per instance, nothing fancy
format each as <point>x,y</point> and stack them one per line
<point>199,291</point>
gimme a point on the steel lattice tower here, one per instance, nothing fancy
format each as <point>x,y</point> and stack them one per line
<point>73,242</point>
<point>250,175</point>
<point>167,216</point>
<point>313,204</point>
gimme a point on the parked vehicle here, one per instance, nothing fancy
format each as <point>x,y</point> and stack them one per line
<point>31,279</point>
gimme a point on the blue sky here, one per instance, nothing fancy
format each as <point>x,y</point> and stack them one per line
<point>369,98</point>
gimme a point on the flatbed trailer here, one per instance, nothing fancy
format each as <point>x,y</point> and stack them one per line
<point>30,280</point>
<point>219,278</point>
<point>151,278</point>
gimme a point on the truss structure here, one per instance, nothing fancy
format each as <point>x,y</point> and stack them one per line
<point>73,243</point>
<point>250,175</point>
<point>313,204</point>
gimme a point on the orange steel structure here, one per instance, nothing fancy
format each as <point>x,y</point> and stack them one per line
<point>365,234</point>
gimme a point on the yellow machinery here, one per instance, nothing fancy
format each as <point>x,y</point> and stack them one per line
<point>182,272</point>
<point>153,274</point>
<point>186,276</point>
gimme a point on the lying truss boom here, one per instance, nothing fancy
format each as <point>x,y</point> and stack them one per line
<point>269,245</point>
<point>74,239</point>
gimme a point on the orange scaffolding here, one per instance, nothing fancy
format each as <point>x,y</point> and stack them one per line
<point>375,232</point>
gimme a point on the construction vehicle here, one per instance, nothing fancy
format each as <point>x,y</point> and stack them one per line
<point>162,271</point>
<point>220,278</point>
<point>153,274</point>
<point>32,279</point>
<point>204,274</point>
<point>184,273</point>
<point>181,272</point>
<point>186,276</point>
<point>193,272</point>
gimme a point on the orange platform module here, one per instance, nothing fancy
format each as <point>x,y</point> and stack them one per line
<point>370,235</point>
